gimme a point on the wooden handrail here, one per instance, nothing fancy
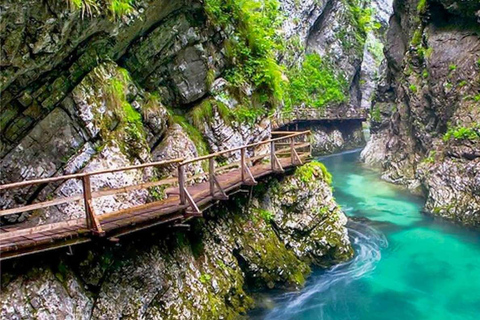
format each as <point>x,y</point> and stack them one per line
<point>219,153</point>
<point>83,174</point>
<point>186,199</point>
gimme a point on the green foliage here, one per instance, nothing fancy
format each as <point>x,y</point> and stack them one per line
<point>116,8</point>
<point>376,114</point>
<point>244,114</point>
<point>266,215</point>
<point>413,88</point>
<point>120,8</point>
<point>431,158</point>
<point>422,6</point>
<point>210,77</point>
<point>193,133</point>
<point>463,133</point>
<point>251,50</point>
<point>361,17</point>
<point>417,37</point>
<point>205,278</point>
<point>425,74</point>
<point>203,113</point>
<point>452,67</point>
<point>315,84</point>
<point>309,171</point>
<point>121,122</point>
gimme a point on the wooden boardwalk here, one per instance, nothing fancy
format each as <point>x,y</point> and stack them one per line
<point>345,113</point>
<point>185,198</point>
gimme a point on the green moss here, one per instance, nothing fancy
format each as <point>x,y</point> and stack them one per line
<point>452,67</point>
<point>251,50</point>
<point>422,6</point>
<point>463,133</point>
<point>205,278</point>
<point>314,169</point>
<point>266,215</point>
<point>413,88</point>
<point>115,8</point>
<point>193,133</point>
<point>203,113</point>
<point>417,37</point>
<point>431,158</point>
<point>316,84</point>
<point>375,114</point>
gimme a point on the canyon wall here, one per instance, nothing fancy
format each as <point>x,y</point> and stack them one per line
<point>425,118</point>
<point>88,86</point>
<point>265,241</point>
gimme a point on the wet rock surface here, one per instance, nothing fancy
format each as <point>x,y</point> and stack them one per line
<point>206,273</point>
<point>425,117</point>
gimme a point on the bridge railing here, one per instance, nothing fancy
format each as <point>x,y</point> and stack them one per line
<point>290,147</point>
<point>305,113</point>
<point>87,195</point>
<point>292,144</point>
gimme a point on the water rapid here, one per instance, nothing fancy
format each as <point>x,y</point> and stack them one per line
<point>407,265</point>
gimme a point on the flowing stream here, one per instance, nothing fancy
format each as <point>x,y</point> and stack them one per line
<point>407,265</point>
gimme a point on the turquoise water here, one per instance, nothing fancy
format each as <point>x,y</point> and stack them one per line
<point>407,265</point>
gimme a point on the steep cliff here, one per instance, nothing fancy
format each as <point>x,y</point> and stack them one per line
<point>265,241</point>
<point>425,118</point>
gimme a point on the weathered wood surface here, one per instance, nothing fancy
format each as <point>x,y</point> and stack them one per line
<point>181,204</point>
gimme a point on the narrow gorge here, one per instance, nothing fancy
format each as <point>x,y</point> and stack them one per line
<point>234,115</point>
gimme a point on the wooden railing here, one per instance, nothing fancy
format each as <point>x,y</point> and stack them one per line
<point>289,143</point>
<point>312,114</point>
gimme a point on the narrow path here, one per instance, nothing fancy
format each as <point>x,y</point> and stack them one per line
<point>183,202</point>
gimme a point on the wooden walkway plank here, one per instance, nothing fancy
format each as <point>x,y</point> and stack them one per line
<point>17,242</point>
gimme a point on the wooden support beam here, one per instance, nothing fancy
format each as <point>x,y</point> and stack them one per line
<point>214,182</point>
<point>193,211</point>
<point>181,184</point>
<point>245,171</point>
<point>211,175</point>
<point>276,165</point>
<point>223,195</point>
<point>251,179</point>
<point>272,155</point>
<point>243,164</point>
<point>294,158</point>
<point>92,219</point>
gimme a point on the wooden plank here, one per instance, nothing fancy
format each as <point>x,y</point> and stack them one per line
<point>135,218</point>
<point>96,194</point>
<point>81,175</point>
<point>40,205</point>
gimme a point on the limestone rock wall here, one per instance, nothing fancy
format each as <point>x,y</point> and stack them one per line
<point>425,118</point>
<point>207,273</point>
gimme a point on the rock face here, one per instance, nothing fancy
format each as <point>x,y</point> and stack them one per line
<point>201,274</point>
<point>346,34</point>
<point>425,118</point>
<point>329,137</point>
<point>86,88</point>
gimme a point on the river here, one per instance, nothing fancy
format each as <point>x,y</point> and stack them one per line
<point>407,265</point>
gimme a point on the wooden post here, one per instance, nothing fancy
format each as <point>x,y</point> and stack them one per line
<point>243,164</point>
<point>292,149</point>
<point>211,173</point>
<point>92,221</point>
<point>181,184</point>
<point>272,155</point>
<point>87,196</point>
